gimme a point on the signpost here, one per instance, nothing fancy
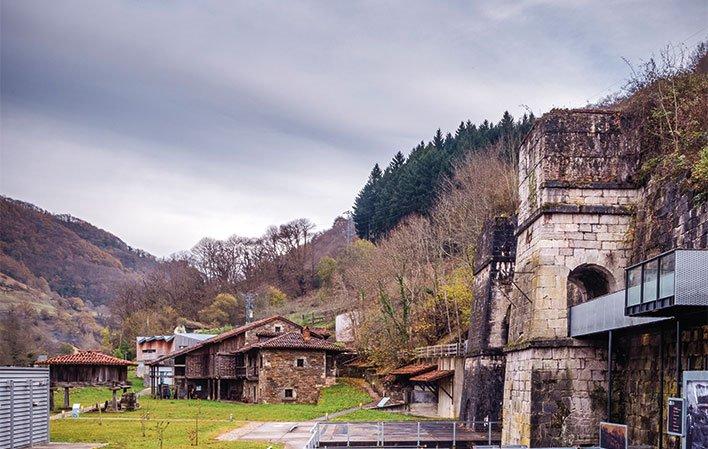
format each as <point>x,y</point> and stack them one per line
<point>675,417</point>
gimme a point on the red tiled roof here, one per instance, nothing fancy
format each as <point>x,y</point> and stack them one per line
<point>412,370</point>
<point>86,358</point>
<point>432,376</point>
<point>321,331</point>
<point>223,336</point>
<point>294,340</point>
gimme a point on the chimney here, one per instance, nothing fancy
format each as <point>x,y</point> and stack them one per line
<point>306,333</point>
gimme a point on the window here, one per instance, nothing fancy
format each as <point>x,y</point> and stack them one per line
<point>634,286</point>
<point>300,363</point>
<point>148,351</point>
<point>667,268</point>
<point>279,328</point>
<point>289,393</point>
<point>650,278</point>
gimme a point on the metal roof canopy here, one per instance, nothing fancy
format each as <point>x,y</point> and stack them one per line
<point>24,406</point>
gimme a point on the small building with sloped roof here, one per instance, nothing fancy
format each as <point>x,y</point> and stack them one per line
<point>86,369</point>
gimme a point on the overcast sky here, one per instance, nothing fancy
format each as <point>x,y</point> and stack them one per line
<point>167,121</point>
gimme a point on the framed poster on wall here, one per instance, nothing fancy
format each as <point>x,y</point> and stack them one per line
<point>613,436</point>
<point>695,393</point>
<point>675,418</point>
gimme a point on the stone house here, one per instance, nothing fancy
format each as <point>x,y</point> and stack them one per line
<point>251,363</point>
<point>553,350</point>
<point>291,367</point>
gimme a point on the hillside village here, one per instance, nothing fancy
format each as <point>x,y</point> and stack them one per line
<point>517,284</point>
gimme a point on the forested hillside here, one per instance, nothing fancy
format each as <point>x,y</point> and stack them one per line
<point>64,254</point>
<point>411,185</point>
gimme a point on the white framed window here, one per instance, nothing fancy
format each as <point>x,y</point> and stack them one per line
<point>278,328</point>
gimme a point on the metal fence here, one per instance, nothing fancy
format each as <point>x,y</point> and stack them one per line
<point>408,433</point>
<point>24,407</point>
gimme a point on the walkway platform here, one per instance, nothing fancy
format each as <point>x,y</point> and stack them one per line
<point>401,433</point>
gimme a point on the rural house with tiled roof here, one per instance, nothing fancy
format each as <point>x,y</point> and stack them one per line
<point>270,360</point>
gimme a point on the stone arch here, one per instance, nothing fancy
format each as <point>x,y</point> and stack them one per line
<point>588,281</point>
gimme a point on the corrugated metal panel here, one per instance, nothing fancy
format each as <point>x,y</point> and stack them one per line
<point>691,278</point>
<point>603,314</point>
<point>24,406</point>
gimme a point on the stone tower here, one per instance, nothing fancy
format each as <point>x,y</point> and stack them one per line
<point>573,241</point>
<point>489,323</point>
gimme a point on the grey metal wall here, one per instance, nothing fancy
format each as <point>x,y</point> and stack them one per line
<point>24,406</point>
<point>603,314</point>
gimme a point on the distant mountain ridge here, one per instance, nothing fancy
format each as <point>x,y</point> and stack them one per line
<point>65,254</point>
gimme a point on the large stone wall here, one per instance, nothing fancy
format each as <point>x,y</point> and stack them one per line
<point>645,365</point>
<point>279,373</point>
<point>554,394</point>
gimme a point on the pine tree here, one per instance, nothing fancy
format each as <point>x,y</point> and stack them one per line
<point>409,185</point>
<point>364,204</point>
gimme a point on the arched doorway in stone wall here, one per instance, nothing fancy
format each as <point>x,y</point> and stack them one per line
<point>588,281</point>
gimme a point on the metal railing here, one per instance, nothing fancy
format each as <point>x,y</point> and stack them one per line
<point>415,433</point>
<point>449,350</point>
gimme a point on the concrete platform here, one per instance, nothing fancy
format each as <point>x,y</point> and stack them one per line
<point>293,435</point>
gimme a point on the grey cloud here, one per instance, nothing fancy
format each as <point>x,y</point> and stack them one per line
<point>233,115</point>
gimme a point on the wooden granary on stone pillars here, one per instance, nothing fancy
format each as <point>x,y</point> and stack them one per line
<point>87,369</point>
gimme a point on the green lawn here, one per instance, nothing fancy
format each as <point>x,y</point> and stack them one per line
<point>128,434</point>
<point>378,415</point>
<point>123,430</point>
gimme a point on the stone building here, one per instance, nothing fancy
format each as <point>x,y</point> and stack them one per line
<point>292,367</point>
<point>583,219</point>
<point>269,360</point>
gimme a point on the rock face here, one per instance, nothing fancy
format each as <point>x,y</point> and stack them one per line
<point>583,218</point>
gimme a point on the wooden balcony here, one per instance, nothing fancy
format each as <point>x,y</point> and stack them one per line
<point>248,372</point>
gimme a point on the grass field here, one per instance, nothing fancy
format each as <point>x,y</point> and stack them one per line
<point>376,415</point>
<point>124,430</point>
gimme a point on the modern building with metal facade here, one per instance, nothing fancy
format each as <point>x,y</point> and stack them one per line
<point>24,406</point>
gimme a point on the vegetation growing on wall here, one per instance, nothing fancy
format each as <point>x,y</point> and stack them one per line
<point>667,98</point>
